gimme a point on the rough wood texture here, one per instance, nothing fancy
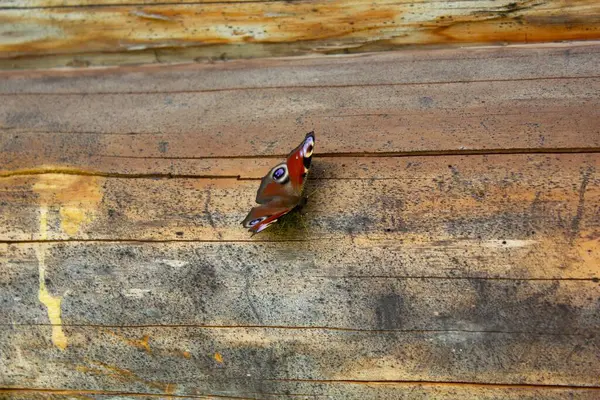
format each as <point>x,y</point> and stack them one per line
<point>165,32</point>
<point>451,248</point>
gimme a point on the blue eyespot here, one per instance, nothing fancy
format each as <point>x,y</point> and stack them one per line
<point>256,221</point>
<point>279,173</point>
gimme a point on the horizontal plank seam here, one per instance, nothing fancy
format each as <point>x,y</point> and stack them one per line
<point>590,334</point>
<point>59,171</point>
<point>441,383</point>
<point>329,381</point>
<point>446,153</point>
<point>118,393</point>
<point>318,87</point>
<point>320,239</point>
<point>397,154</point>
<point>451,153</point>
<point>467,278</point>
<point>150,241</point>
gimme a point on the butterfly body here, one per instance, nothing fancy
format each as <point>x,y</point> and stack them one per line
<point>281,189</point>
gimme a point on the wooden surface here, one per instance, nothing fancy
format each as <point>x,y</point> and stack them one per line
<point>80,33</point>
<point>451,248</point>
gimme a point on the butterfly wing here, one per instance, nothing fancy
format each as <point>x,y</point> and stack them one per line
<point>298,162</point>
<point>264,215</point>
<point>287,179</point>
<point>281,189</point>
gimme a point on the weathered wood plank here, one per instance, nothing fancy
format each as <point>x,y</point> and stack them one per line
<point>500,197</point>
<point>254,360</point>
<point>404,103</point>
<point>561,113</point>
<point>309,26</point>
<point>499,63</point>
<point>295,285</point>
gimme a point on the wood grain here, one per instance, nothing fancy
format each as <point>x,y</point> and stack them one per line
<point>453,117</point>
<point>495,63</point>
<point>227,29</point>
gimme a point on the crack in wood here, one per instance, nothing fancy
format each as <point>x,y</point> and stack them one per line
<point>315,328</point>
<point>439,383</point>
<point>134,241</point>
<point>293,87</point>
<point>163,395</point>
<point>446,153</point>
<point>416,153</point>
<point>429,383</point>
<point>66,171</point>
<point>467,278</point>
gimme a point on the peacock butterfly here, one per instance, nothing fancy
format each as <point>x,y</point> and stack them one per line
<point>281,189</point>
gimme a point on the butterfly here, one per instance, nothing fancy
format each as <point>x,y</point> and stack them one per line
<point>280,191</point>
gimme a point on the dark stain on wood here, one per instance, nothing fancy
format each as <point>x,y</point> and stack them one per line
<point>389,311</point>
<point>580,206</point>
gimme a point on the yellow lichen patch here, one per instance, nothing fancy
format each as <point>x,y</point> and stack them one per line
<point>127,375</point>
<point>76,197</point>
<point>174,353</point>
<point>43,222</point>
<point>45,169</point>
<point>143,343</point>
<point>71,218</point>
<point>170,388</point>
<point>52,303</point>
<point>219,358</point>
